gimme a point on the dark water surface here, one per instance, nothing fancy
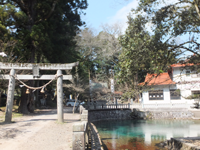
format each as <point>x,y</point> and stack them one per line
<point>143,134</point>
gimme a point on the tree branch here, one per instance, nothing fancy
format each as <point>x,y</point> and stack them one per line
<point>50,13</point>
<point>178,46</point>
<point>52,9</point>
<point>197,8</point>
<point>21,5</point>
<point>3,3</point>
<point>183,47</point>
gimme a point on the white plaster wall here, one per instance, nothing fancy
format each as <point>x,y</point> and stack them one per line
<point>145,97</point>
<point>166,94</point>
<point>186,90</point>
<point>179,75</point>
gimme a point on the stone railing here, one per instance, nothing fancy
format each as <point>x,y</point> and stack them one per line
<point>81,108</point>
<point>80,136</point>
<point>92,106</point>
<point>85,134</point>
<point>95,138</point>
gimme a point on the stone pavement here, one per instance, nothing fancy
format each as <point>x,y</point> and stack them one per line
<point>39,132</point>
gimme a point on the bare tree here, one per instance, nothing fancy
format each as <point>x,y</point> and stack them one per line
<point>77,86</point>
<point>99,52</point>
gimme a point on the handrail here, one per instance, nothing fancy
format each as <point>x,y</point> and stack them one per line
<point>92,106</point>
<point>96,143</point>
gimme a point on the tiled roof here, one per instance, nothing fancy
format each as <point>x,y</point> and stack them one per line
<point>118,92</point>
<point>182,65</point>
<point>161,79</point>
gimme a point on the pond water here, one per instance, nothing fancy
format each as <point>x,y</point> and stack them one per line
<point>143,134</point>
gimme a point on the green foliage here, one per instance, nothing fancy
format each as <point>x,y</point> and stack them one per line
<point>44,30</point>
<point>173,30</point>
<point>142,53</point>
<point>193,96</point>
<point>171,21</point>
<point>40,31</point>
<point>130,93</point>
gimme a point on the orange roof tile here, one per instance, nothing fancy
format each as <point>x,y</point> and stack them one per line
<point>161,79</point>
<point>182,65</point>
<point>118,92</point>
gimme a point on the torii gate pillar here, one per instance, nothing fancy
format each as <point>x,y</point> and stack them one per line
<point>60,96</point>
<point>9,105</point>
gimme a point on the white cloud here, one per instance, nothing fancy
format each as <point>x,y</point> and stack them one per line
<point>121,15</point>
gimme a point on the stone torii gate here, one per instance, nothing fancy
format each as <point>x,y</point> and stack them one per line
<point>36,76</point>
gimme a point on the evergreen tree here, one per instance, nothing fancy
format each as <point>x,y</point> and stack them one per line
<point>43,29</point>
<point>142,53</point>
<point>172,21</point>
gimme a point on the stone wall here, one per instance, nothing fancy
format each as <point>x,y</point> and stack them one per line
<point>107,114</point>
<point>95,115</point>
<point>170,114</point>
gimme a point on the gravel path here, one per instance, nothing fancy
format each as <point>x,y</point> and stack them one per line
<point>39,132</point>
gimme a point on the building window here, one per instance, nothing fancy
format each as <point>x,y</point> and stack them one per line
<point>187,73</point>
<point>156,95</point>
<point>175,94</point>
<point>195,94</point>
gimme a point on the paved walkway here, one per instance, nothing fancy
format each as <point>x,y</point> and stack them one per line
<point>39,132</point>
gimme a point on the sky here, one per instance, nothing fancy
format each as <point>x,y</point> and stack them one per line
<point>101,12</point>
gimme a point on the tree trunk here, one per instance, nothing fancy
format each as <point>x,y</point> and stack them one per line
<point>30,104</point>
<point>136,87</point>
<point>23,103</point>
<point>27,101</point>
<point>37,96</point>
<point>0,98</point>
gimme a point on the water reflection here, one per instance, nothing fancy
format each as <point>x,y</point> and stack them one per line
<point>143,134</point>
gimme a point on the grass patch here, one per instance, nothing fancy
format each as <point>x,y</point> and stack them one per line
<point>60,122</point>
<point>15,108</point>
<point>14,113</point>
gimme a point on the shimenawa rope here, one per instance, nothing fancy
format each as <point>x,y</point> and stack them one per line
<point>36,88</point>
